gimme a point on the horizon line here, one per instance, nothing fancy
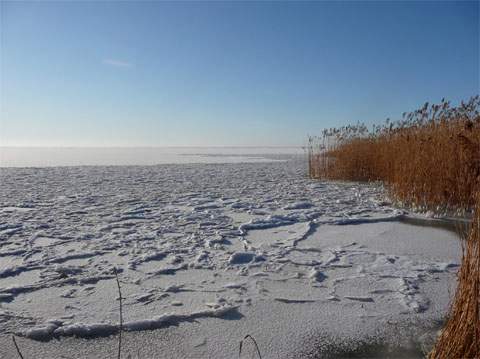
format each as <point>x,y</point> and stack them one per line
<point>156,146</point>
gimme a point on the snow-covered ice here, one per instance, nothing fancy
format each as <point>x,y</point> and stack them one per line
<point>234,242</point>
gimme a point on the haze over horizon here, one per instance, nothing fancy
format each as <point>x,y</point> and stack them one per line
<point>155,74</point>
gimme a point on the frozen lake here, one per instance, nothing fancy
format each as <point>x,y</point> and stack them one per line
<point>118,156</point>
<point>208,253</point>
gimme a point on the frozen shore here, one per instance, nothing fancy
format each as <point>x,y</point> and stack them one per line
<point>208,253</point>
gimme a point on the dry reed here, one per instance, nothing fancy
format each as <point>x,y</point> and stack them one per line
<point>460,338</point>
<point>428,160</point>
<point>248,336</point>
<point>120,312</point>
<point>16,347</point>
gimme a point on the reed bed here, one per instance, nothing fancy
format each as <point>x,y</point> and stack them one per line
<point>430,159</point>
<point>460,337</point>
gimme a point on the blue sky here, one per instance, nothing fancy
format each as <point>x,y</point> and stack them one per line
<point>223,73</point>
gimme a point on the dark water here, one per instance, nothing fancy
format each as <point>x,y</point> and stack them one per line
<point>458,226</point>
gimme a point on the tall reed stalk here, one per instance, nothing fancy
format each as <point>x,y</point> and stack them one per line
<point>430,159</point>
<point>460,338</point>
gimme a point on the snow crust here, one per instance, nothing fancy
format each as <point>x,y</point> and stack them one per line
<point>199,241</point>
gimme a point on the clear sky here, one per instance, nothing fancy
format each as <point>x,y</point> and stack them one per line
<point>222,73</point>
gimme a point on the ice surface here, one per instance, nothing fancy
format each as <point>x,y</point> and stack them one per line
<point>115,156</point>
<point>199,241</point>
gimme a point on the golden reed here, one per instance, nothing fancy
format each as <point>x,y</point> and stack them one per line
<point>428,160</point>
<point>460,337</point>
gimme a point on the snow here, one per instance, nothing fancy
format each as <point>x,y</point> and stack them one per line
<point>200,248</point>
<point>241,258</point>
<point>127,156</point>
<point>57,329</point>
